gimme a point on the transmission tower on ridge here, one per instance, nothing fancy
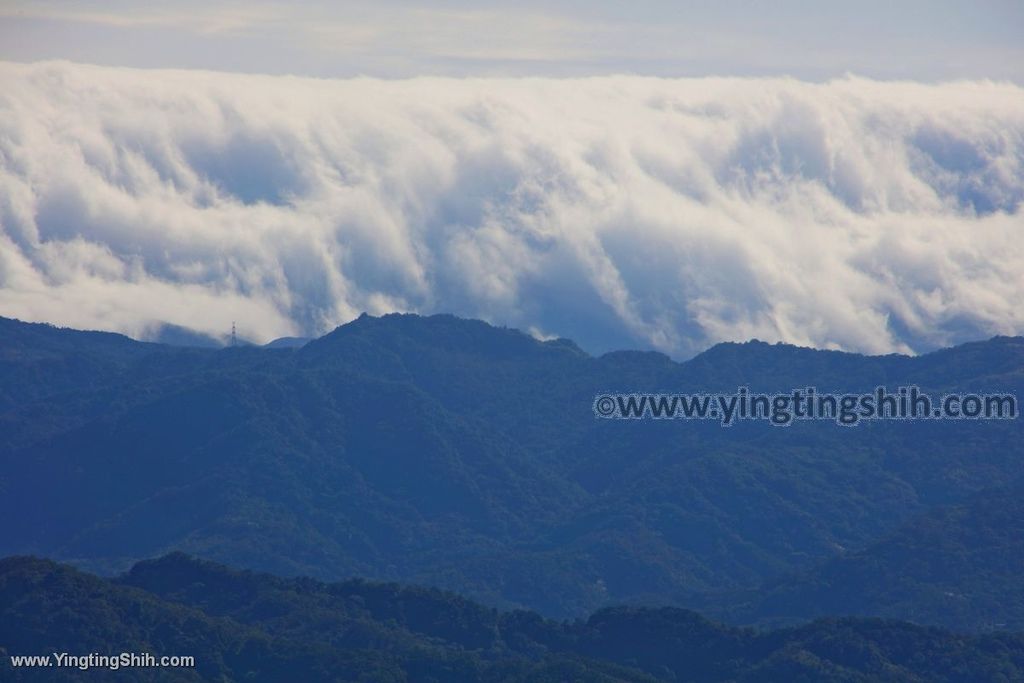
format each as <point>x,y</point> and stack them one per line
<point>234,337</point>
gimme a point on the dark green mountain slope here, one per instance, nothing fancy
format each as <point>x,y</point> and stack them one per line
<point>456,454</point>
<point>255,627</point>
<point>959,566</point>
<point>282,633</point>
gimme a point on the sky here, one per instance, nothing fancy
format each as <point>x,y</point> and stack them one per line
<point>886,39</point>
<point>664,176</point>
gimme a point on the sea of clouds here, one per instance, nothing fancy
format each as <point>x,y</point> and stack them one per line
<point>620,211</point>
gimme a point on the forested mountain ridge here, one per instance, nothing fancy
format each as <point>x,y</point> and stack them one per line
<point>255,627</point>
<point>453,453</point>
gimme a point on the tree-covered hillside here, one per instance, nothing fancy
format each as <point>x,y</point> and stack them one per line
<point>242,626</point>
<point>452,453</point>
<point>958,566</point>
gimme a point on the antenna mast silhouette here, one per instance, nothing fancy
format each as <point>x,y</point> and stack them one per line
<point>234,337</point>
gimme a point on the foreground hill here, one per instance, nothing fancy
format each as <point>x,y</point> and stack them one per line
<point>452,453</point>
<point>255,627</point>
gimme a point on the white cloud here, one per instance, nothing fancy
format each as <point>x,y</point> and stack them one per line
<point>618,211</point>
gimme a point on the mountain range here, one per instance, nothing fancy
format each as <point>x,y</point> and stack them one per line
<point>452,453</point>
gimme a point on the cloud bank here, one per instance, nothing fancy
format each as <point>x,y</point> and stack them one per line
<point>619,211</point>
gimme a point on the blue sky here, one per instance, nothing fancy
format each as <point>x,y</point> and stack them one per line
<point>918,40</point>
